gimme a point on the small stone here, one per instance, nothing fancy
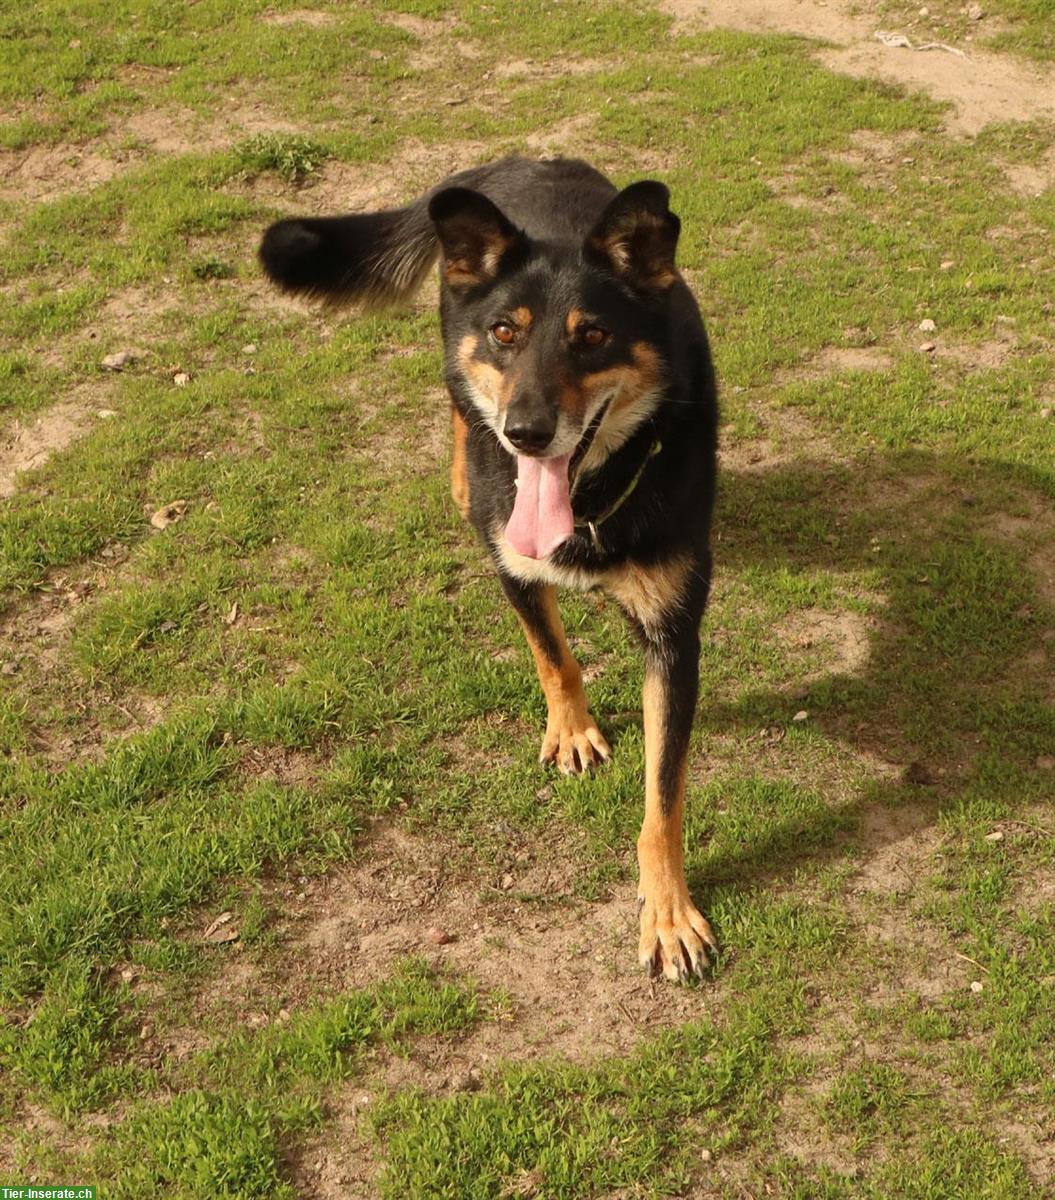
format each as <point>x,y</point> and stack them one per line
<point>801,715</point>
<point>127,975</point>
<point>118,361</point>
<point>507,882</point>
<point>544,793</point>
<point>705,1155</point>
<point>975,12</point>
<point>977,985</point>
<point>1045,762</point>
<point>181,379</point>
<point>283,1014</point>
<point>928,347</point>
<point>105,413</point>
<point>924,12</point>
<point>250,348</point>
<point>438,937</point>
<point>168,514</point>
<point>927,325</point>
<point>145,1032</point>
<point>996,836</point>
<point>948,264</point>
<point>224,918</point>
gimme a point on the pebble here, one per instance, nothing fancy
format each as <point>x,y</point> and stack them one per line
<point>181,379</point>
<point>105,413</point>
<point>116,362</point>
<point>928,347</point>
<point>801,715</point>
<point>996,836</point>
<point>948,264</point>
<point>977,985</point>
<point>927,325</point>
<point>975,12</point>
<point>438,937</point>
<point>507,882</point>
<point>168,513</point>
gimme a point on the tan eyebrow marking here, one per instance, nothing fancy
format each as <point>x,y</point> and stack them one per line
<point>493,385</point>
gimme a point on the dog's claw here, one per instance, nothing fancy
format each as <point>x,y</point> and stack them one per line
<point>675,938</point>
<point>575,745</point>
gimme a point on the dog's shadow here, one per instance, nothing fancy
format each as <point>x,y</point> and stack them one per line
<point>954,690</point>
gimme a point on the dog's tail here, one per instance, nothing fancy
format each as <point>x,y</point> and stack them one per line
<point>378,258</point>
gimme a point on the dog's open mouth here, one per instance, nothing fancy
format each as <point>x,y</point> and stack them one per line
<point>542,518</point>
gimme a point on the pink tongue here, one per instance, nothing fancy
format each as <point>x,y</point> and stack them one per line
<point>541,517</point>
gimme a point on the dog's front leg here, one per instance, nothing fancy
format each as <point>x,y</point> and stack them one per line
<point>675,936</point>
<point>572,739</point>
<point>460,463</point>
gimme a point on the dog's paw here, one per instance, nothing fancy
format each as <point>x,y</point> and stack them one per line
<point>574,743</point>
<point>675,936</point>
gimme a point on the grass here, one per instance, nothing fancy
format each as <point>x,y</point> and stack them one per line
<point>193,719</point>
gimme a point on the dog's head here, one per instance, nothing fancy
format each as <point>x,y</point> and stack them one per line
<point>555,343</point>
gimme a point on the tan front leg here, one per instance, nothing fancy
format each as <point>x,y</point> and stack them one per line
<point>459,465</point>
<point>665,601</point>
<point>572,739</point>
<point>675,936</point>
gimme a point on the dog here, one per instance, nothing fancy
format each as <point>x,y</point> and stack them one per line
<point>584,413</point>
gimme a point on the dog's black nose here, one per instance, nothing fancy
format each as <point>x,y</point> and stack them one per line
<point>530,427</point>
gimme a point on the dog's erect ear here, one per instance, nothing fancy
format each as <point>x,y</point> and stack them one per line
<point>637,235</point>
<point>474,233</point>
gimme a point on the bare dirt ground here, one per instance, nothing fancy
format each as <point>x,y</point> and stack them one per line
<point>982,87</point>
<point>566,966</point>
<point>29,444</point>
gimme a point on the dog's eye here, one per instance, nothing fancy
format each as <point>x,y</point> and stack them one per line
<point>504,334</point>
<point>593,335</point>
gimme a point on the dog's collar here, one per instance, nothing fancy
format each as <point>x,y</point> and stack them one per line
<point>593,525</point>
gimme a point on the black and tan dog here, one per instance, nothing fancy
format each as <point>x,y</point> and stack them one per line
<point>584,412</point>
